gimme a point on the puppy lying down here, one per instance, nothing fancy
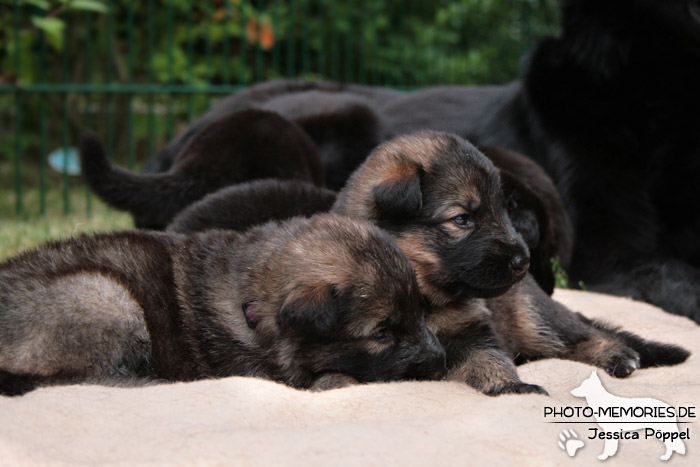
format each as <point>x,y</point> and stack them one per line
<point>309,303</point>
<point>440,199</point>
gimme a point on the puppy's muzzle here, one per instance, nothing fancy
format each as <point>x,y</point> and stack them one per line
<point>433,364</point>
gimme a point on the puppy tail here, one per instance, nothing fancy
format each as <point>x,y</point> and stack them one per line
<point>153,199</point>
<point>651,353</point>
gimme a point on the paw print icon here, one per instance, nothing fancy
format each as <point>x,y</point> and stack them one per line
<point>569,442</point>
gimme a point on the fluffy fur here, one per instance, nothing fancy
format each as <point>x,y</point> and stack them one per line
<point>310,303</point>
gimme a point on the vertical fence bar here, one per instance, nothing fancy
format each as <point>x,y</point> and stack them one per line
<point>226,46</point>
<point>130,80</point>
<point>170,41</point>
<point>42,128</point>
<point>88,79</point>
<point>209,13</point>
<point>322,15</point>
<point>277,28</point>
<point>258,49</point>
<point>151,95</point>
<point>66,115</point>
<point>349,45</point>
<point>374,73</point>
<point>109,78</point>
<point>243,50</point>
<point>407,66</point>
<point>19,205</point>
<point>190,64</point>
<point>291,40</point>
<point>335,45</point>
<point>362,46</point>
<point>305,47</point>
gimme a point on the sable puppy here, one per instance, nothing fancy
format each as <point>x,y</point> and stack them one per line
<point>305,302</point>
<point>248,145</point>
<point>439,198</point>
<point>536,211</point>
<point>242,206</point>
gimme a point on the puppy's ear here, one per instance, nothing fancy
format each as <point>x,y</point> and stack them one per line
<point>311,309</point>
<point>399,195</point>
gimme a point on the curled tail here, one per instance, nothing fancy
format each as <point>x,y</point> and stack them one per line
<point>153,199</point>
<point>651,353</point>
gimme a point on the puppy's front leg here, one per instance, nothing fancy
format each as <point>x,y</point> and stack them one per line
<point>332,381</point>
<point>475,356</point>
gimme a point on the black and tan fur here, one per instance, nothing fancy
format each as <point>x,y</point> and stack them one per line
<point>439,197</point>
<point>247,145</point>
<point>309,302</point>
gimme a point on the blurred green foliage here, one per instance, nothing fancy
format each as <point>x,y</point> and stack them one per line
<point>398,43</point>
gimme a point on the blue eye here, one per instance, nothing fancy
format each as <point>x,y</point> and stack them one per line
<point>463,222</point>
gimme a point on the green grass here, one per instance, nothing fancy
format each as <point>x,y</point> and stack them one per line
<point>33,228</point>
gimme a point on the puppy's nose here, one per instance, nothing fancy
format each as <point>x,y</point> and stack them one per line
<point>519,263</point>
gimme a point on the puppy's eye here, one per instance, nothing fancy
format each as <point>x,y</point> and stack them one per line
<point>463,222</point>
<point>381,334</point>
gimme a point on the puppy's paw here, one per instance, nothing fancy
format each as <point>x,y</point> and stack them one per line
<point>332,381</point>
<point>623,363</point>
<point>516,388</point>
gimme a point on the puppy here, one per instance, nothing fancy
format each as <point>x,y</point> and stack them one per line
<point>439,198</point>
<point>242,206</point>
<point>247,145</point>
<point>310,303</point>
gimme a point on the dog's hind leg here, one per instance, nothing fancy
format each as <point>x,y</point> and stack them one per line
<point>84,326</point>
<point>650,353</point>
<point>535,326</point>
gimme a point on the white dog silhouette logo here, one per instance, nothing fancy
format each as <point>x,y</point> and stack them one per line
<point>607,408</point>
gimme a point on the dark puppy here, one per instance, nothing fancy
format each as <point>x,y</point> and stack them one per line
<point>242,206</point>
<point>344,128</point>
<point>440,199</point>
<point>305,302</point>
<point>248,145</point>
<point>536,211</point>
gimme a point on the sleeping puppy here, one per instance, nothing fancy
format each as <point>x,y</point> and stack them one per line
<point>244,146</point>
<point>310,303</point>
<point>242,206</point>
<point>439,198</point>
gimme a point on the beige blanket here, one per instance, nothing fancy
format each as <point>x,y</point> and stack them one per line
<point>242,421</point>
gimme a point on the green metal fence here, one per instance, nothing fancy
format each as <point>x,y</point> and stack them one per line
<point>138,72</point>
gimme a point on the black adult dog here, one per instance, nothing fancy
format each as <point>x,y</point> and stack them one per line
<point>609,108</point>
